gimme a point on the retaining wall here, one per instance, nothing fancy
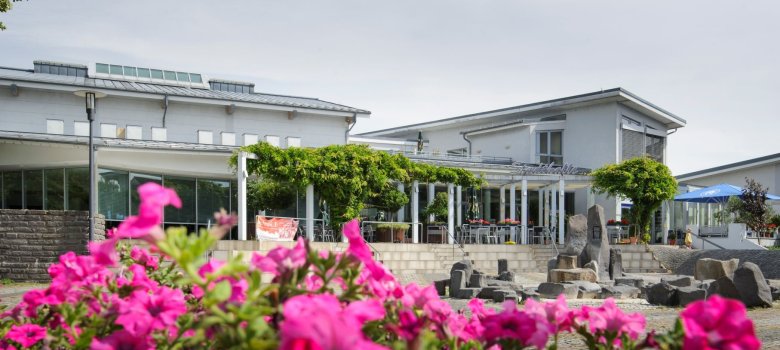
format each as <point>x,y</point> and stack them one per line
<point>31,240</point>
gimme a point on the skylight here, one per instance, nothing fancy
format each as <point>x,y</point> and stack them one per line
<point>105,70</point>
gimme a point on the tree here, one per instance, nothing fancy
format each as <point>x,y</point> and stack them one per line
<point>267,195</point>
<point>5,6</point>
<point>438,207</point>
<point>754,211</point>
<point>646,182</point>
<point>391,200</point>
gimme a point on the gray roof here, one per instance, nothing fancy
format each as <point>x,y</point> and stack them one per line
<point>159,89</point>
<point>742,164</point>
<point>115,142</point>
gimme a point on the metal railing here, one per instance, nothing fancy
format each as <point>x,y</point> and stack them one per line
<point>454,157</point>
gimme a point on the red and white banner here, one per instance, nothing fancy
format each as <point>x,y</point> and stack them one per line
<point>275,229</point>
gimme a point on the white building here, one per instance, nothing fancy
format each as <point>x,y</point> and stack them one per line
<point>177,128</point>
<point>584,131</point>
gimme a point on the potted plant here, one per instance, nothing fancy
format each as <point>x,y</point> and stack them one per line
<point>672,238</point>
<point>391,200</point>
<point>392,232</point>
<point>633,236</point>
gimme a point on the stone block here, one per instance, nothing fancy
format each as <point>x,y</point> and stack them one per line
<point>566,262</point>
<point>620,292</point>
<point>508,276</point>
<point>468,293</point>
<point>711,269</point>
<point>457,282</point>
<point>503,265</point>
<point>775,293</point>
<point>662,294</point>
<point>465,266</point>
<point>553,290</point>
<point>679,281</point>
<point>441,286</point>
<point>487,292</point>
<point>597,247</point>
<point>477,280</point>
<point>688,295</point>
<point>557,276</point>
<point>577,235</point>
<point>615,263</point>
<point>526,294</point>
<point>752,286</point>
<point>587,290</point>
<point>502,295</point>
<point>725,287</point>
<point>551,265</point>
<point>628,281</point>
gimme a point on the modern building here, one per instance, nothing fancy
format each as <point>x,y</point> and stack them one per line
<point>176,128</point>
<point>543,149</point>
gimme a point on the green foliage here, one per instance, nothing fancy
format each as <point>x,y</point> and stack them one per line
<point>5,6</point>
<point>266,195</point>
<point>438,208</point>
<point>646,182</point>
<point>755,213</point>
<point>391,200</point>
<point>393,226</point>
<point>346,176</point>
<point>646,238</point>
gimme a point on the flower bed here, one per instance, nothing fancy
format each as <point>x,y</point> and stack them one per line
<point>128,298</point>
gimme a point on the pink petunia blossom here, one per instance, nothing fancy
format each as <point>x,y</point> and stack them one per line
<point>152,194</point>
<point>26,334</point>
<point>321,322</point>
<point>556,313</point>
<point>142,312</point>
<point>142,256</point>
<point>718,323</point>
<point>415,296</point>
<point>281,260</point>
<point>357,245</point>
<point>511,324</point>
<point>140,280</point>
<point>123,340</point>
<point>609,318</point>
<point>153,198</point>
<point>104,252</point>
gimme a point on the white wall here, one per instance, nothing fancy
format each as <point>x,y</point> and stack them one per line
<point>767,175</point>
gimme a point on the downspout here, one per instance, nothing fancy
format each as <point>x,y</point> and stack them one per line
<point>165,109</point>
<point>672,132</point>
<point>352,125</point>
<point>468,141</point>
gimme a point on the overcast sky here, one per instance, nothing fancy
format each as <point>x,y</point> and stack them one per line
<point>713,63</point>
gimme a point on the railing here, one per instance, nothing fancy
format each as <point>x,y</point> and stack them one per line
<point>377,254</point>
<point>714,231</point>
<point>547,233</point>
<point>703,240</point>
<point>454,157</point>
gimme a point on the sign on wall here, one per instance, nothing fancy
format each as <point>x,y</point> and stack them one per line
<point>275,229</point>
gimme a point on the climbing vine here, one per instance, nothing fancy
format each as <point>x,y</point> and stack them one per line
<point>346,176</point>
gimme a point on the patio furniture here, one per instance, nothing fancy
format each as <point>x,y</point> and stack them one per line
<point>368,233</point>
<point>435,230</point>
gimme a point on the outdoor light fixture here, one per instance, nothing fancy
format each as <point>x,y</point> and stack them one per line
<point>91,104</point>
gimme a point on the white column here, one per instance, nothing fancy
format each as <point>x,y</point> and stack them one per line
<point>415,212</point>
<point>451,213</point>
<point>487,199</point>
<point>401,211</point>
<point>553,207</point>
<point>524,211</point>
<point>540,206</point>
<point>502,199</point>
<point>310,212</point>
<point>513,210</point>
<point>561,209</point>
<point>431,194</point>
<point>547,208</point>
<point>666,210</point>
<point>242,177</point>
<point>459,204</point>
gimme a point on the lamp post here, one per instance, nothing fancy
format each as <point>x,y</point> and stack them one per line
<point>90,98</point>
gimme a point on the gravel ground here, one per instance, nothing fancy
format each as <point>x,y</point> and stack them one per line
<point>682,261</point>
<point>672,257</point>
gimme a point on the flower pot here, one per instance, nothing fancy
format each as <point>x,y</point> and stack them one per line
<point>384,234</point>
<point>399,235</point>
<point>673,241</point>
<point>633,239</point>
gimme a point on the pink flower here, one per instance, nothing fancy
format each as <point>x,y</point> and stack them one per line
<point>608,319</point>
<point>437,310</point>
<point>123,339</point>
<point>144,312</point>
<point>320,322</point>
<point>414,296</point>
<point>512,324</point>
<point>556,313</point>
<point>357,246</point>
<point>154,198</point>
<point>143,257</point>
<point>26,334</point>
<point>409,325</point>
<point>104,252</point>
<point>140,280</point>
<point>281,260</point>
<point>154,195</point>
<point>718,323</point>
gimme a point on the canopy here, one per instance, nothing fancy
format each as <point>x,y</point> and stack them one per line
<point>716,194</point>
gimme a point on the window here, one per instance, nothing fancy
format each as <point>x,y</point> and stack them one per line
<point>101,68</point>
<point>169,75</point>
<point>33,189</point>
<point>112,194</point>
<point>143,73</point>
<point>185,188</point>
<point>631,122</point>
<point>457,152</point>
<point>205,137</point>
<point>157,74</point>
<point>136,180</point>
<point>116,70</point>
<point>654,147</point>
<point>184,77</point>
<point>273,140</point>
<point>77,188</point>
<point>213,195</point>
<point>54,183</point>
<point>12,190</point>
<point>293,142</point>
<point>549,147</point>
<point>195,78</point>
<point>81,128</point>
<point>228,139</point>
<point>108,130</point>
<point>633,144</point>
<point>250,139</point>
<point>159,134</point>
<point>55,126</point>
<point>130,71</point>
<point>134,132</point>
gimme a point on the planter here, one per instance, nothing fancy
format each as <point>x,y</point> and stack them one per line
<point>672,241</point>
<point>384,234</point>
<point>399,235</point>
<point>633,239</point>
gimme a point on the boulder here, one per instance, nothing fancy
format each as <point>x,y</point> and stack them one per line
<point>705,284</point>
<point>477,280</point>
<point>503,265</point>
<point>468,293</point>
<point>487,292</point>
<point>457,282</point>
<point>441,286</point>
<point>620,292</point>
<point>502,295</point>
<point>662,294</point>
<point>752,286</point>
<point>597,247</point>
<point>557,276</point>
<point>566,262</point>
<point>508,276</point>
<point>592,266</point>
<point>724,287</point>
<point>679,281</point>
<point>576,235</point>
<point>688,295</point>
<point>615,263</point>
<point>529,294</point>
<point>465,266</point>
<point>553,290</point>
<point>775,293</point>
<point>711,269</point>
<point>630,281</point>
<point>551,265</point>
<point>587,290</point>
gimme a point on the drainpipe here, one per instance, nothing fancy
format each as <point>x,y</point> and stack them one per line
<point>352,125</point>
<point>165,107</point>
<point>468,141</point>
<point>671,132</point>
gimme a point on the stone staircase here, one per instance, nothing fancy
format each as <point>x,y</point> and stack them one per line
<point>639,259</point>
<point>541,255</point>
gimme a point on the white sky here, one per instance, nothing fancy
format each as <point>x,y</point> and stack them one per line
<point>713,63</point>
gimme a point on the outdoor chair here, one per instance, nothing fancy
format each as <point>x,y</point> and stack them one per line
<point>368,233</point>
<point>484,234</point>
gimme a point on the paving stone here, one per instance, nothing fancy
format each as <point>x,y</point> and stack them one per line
<point>628,281</point>
<point>487,292</point>
<point>477,280</point>
<point>502,295</point>
<point>587,290</point>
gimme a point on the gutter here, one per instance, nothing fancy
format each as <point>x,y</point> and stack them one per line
<point>468,141</point>
<point>346,133</point>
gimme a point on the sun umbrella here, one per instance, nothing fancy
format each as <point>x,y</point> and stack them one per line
<point>716,194</point>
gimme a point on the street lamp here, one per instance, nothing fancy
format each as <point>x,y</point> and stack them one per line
<point>89,98</point>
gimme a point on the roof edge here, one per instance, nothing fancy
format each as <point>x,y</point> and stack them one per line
<point>732,166</point>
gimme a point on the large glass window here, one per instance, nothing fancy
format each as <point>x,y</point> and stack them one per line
<point>77,189</point>
<point>654,147</point>
<point>185,188</point>
<point>136,180</point>
<point>549,147</point>
<point>213,195</point>
<point>54,193</point>
<point>113,192</point>
<point>33,189</point>
<point>12,190</point>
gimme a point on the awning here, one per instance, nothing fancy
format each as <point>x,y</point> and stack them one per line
<point>716,194</point>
